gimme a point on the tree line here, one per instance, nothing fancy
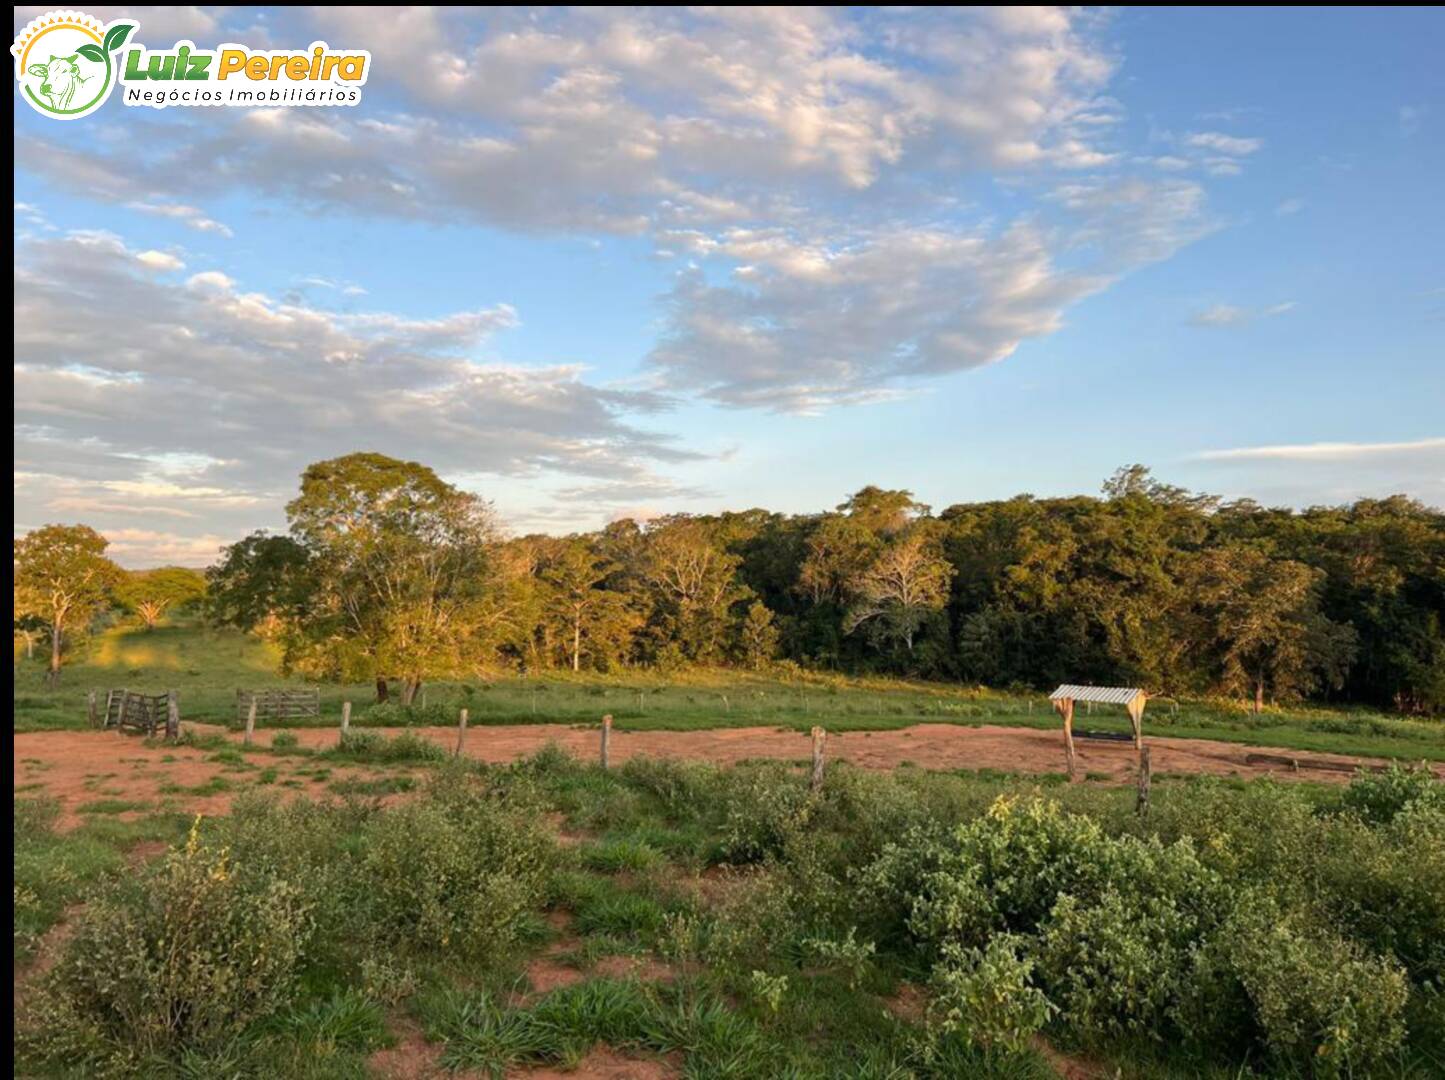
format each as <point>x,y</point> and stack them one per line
<point>390,575</point>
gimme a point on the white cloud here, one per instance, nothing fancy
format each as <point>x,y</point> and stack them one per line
<point>1224,315</point>
<point>1433,448</point>
<point>159,260</point>
<point>1229,145</point>
<point>200,399</point>
<point>189,216</point>
<point>1289,206</point>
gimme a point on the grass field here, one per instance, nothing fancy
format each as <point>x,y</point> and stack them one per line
<point>206,667</point>
<point>682,920</point>
<point>377,908</point>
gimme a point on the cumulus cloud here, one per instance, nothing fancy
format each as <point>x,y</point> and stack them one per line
<point>198,397</point>
<point>637,116</point>
<point>803,165</point>
<point>1229,145</point>
<point>159,260</point>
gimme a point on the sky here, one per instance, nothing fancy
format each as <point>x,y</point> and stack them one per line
<point>604,263</point>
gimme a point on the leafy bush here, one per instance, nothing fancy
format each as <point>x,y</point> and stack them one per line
<point>368,746</point>
<point>1379,797</point>
<point>765,806</point>
<point>188,955</point>
<point>1320,1000</point>
<point>455,871</point>
<point>988,995</point>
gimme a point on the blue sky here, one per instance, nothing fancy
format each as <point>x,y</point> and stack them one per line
<point>602,263</point>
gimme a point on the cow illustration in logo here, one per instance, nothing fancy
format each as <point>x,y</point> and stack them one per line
<point>62,79</point>
<point>64,62</point>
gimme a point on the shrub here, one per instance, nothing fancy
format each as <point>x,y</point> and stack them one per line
<point>454,871</point>
<point>189,955</point>
<point>1116,967</point>
<point>679,786</point>
<point>1379,797</point>
<point>1320,1000</point>
<point>766,805</point>
<point>406,747</point>
<point>988,996</point>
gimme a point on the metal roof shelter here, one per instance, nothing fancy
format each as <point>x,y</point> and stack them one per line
<point>1131,697</point>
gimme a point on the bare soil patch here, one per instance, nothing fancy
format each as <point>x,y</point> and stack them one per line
<point>1070,1066</point>
<point>63,763</point>
<point>605,1064</point>
<point>412,1058</point>
<point>81,767</point>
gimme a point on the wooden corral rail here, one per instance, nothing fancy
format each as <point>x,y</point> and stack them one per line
<point>143,712</point>
<point>1295,764</point>
<point>279,704</point>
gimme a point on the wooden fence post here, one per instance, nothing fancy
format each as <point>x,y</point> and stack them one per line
<point>90,710</point>
<point>461,733</point>
<point>1065,708</point>
<point>173,715</point>
<point>1144,770</point>
<point>345,718</point>
<point>819,735</point>
<point>606,738</point>
<point>251,721</point>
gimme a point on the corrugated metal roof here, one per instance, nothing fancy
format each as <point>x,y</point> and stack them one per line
<point>1109,695</point>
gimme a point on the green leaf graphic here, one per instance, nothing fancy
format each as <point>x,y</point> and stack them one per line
<point>92,52</point>
<point>116,35</point>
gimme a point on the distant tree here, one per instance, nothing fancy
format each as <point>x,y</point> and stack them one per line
<point>1269,633</point>
<point>757,636</point>
<point>882,512</point>
<point>151,593</point>
<point>1138,481</point>
<point>591,619</point>
<point>401,562</point>
<point>261,584</point>
<point>693,583</point>
<point>905,586</point>
<point>63,579</point>
<point>838,551</point>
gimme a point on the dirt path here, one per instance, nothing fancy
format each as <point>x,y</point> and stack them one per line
<point>82,768</point>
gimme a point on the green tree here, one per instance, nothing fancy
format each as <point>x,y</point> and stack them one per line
<point>1268,631</point>
<point>882,512</point>
<point>402,569</point>
<point>63,578</point>
<point>757,636</point>
<point>591,620</point>
<point>837,553</point>
<point>151,593</point>
<point>261,585</point>
<point>901,590</point>
<point>693,583</point>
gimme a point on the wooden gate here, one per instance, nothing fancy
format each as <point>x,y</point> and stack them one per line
<point>149,713</point>
<point>279,704</point>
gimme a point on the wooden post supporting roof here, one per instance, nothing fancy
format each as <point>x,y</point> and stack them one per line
<point>1065,707</point>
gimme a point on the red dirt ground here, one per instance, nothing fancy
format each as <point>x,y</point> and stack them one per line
<point>83,766</point>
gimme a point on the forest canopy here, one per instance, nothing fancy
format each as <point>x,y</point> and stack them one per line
<point>390,573</point>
